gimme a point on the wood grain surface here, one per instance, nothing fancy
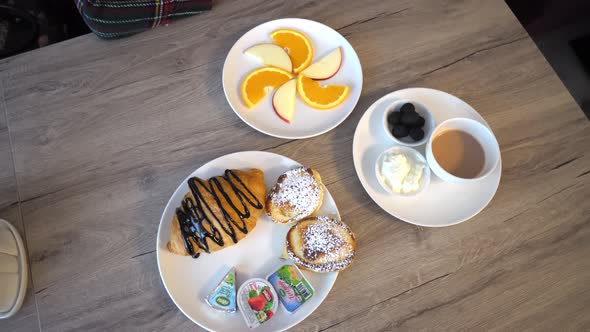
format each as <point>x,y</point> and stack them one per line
<point>26,318</point>
<point>98,134</point>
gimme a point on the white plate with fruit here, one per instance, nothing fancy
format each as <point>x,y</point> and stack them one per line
<point>292,78</point>
<point>263,249</point>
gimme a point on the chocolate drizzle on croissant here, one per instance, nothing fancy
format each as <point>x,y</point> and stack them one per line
<point>195,218</point>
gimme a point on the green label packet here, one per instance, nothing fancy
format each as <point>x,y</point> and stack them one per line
<point>223,296</point>
<point>291,286</point>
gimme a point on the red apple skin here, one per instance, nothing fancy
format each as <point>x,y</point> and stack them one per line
<point>274,107</point>
<point>337,70</point>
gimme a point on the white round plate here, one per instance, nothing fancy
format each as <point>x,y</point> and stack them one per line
<point>189,280</point>
<point>307,121</point>
<point>442,203</point>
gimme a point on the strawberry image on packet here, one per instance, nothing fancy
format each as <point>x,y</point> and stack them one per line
<point>257,301</point>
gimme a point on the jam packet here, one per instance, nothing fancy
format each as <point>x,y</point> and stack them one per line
<point>257,301</point>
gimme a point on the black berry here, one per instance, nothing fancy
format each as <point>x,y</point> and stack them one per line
<point>421,122</point>
<point>410,119</point>
<point>416,133</point>
<point>407,107</point>
<point>394,118</point>
<point>399,131</point>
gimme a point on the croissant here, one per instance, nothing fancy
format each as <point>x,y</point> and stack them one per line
<point>217,213</point>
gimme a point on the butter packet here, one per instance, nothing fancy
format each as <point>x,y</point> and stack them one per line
<point>223,296</point>
<point>291,286</point>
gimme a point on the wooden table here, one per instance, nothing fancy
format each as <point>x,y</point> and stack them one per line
<point>98,134</point>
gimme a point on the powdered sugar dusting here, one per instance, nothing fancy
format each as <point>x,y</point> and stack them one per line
<point>323,243</point>
<point>299,191</point>
<point>319,239</point>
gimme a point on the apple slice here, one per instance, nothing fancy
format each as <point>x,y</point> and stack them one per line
<point>283,100</point>
<point>271,55</point>
<point>325,67</point>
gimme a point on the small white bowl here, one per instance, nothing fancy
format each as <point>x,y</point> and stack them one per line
<point>422,111</point>
<point>415,157</point>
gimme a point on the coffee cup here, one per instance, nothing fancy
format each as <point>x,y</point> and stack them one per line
<point>462,150</point>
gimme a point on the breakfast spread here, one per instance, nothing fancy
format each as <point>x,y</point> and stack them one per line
<point>291,286</point>
<point>406,122</point>
<point>223,296</point>
<point>218,212</point>
<point>399,172</point>
<point>298,193</point>
<point>257,301</point>
<point>321,244</point>
<point>291,55</point>
<point>221,211</point>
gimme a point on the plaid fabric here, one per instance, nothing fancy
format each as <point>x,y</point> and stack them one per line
<point>118,18</point>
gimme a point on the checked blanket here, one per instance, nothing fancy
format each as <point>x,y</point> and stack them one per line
<point>119,18</point>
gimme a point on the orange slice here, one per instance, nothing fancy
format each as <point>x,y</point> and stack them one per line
<point>259,82</point>
<point>321,96</point>
<point>297,46</point>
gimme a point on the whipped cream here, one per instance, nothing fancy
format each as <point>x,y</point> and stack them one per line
<point>399,173</point>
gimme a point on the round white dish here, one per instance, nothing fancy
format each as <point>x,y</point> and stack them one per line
<point>188,281</point>
<point>307,121</point>
<point>442,203</point>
